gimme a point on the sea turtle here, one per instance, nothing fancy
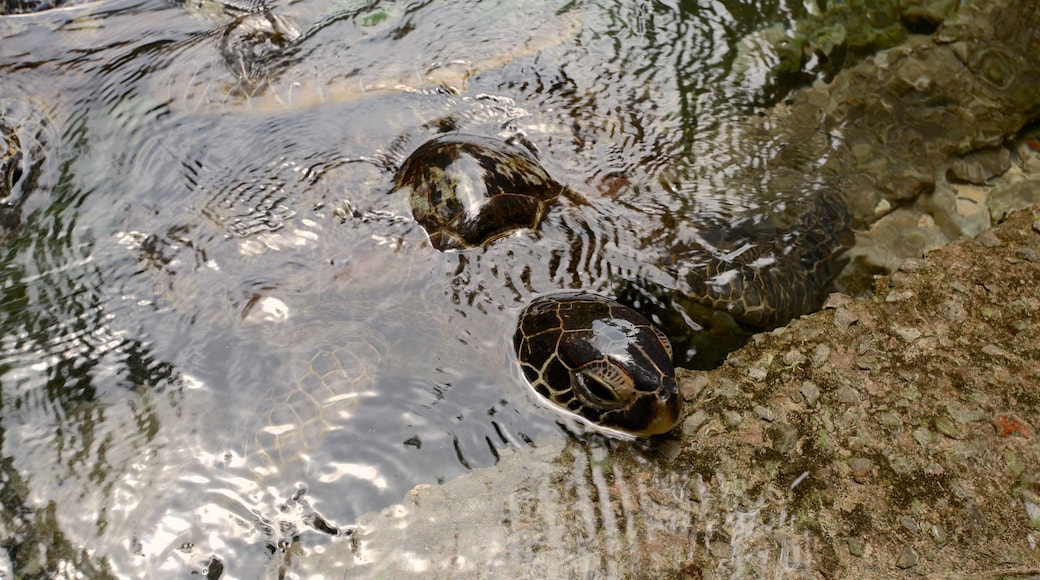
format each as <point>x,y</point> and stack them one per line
<point>600,360</point>
<point>10,159</point>
<point>589,354</point>
<point>25,136</point>
<point>468,190</point>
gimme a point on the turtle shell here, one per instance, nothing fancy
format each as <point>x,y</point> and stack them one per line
<point>600,360</point>
<point>467,191</point>
<point>10,159</point>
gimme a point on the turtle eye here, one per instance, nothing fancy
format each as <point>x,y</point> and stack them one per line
<point>602,383</point>
<point>592,386</point>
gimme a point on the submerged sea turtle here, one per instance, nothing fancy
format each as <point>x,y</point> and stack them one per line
<point>10,159</point>
<point>586,353</point>
<point>467,191</point>
<point>25,133</point>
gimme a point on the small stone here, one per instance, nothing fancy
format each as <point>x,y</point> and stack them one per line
<point>727,388</point>
<point>1033,511</point>
<point>913,265</point>
<point>1014,463</point>
<point>890,419</point>
<point>692,384</point>
<point>908,558</point>
<point>862,468</point>
<point>810,392</point>
<point>765,413</point>
<point>993,350</point>
<point>794,356</point>
<point>857,547</point>
<point>756,374</point>
<point>907,334</point>
<point>899,295</point>
<point>784,437</point>
<point>908,523</point>
<point>947,427</point>
<point>670,450</point>
<point>732,418</point>
<point>964,414</point>
<point>1036,226</point>
<point>952,310</point>
<point>938,534</point>
<point>924,436</point>
<point>848,395</point>
<point>989,239</point>
<point>695,420</point>
<point>821,353</point>
<point>1028,254</point>
<point>844,318</point>
<point>837,300</point>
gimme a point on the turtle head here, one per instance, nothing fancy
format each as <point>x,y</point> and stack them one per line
<point>601,361</point>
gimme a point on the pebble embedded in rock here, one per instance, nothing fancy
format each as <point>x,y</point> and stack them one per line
<point>756,374</point>
<point>794,356</point>
<point>862,468</point>
<point>820,354</point>
<point>1036,226</point>
<point>857,546</point>
<point>952,310</point>
<point>907,334</point>
<point>924,436</point>
<point>908,558</point>
<point>899,296</point>
<point>811,392</point>
<point>691,387</point>
<point>732,418</point>
<point>989,239</point>
<point>847,395</point>
<point>844,318</point>
<point>993,350</point>
<point>1028,254</point>
<point>695,420</point>
<point>784,437</point>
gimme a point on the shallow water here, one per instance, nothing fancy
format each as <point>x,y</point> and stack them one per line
<point>197,256</point>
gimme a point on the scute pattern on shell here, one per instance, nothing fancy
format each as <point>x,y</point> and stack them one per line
<point>466,191</point>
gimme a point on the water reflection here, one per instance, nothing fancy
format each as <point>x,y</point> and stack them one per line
<point>206,267</point>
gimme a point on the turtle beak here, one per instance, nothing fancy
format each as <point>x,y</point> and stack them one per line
<point>667,412</point>
<point>663,410</point>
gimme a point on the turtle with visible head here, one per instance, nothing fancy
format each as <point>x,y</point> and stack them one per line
<point>601,360</point>
<point>588,354</point>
